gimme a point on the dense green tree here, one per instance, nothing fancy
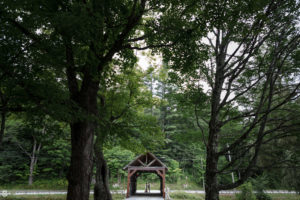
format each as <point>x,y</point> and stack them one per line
<point>27,147</point>
<point>14,164</point>
<point>118,158</point>
<point>243,53</point>
<point>122,100</point>
<point>77,42</point>
<point>175,112</point>
<point>235,65</point>
<point>280,157</point>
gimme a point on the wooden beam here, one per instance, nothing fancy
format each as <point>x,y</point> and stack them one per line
<point>159,173</point>
<point>146,168</point>
<point>146,158</point>
<point>127,166</point>
<point>131,173</point>
<point>151,163</point>
<point>141,162</point>
<point>164,182</point>
<point>162,174</point>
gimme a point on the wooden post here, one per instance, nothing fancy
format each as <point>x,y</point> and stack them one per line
<point>128,183</point>
<point>163,178</point>
<point>164,182</point>
<point>130,173</point>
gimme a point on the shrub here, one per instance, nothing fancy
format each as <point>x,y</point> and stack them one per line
<point>262,196</point>
<point>246,192</point>
<point>259,184</point>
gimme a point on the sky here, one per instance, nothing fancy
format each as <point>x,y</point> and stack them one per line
<point>145,60</point>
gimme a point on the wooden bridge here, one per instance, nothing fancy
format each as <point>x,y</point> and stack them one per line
<point>145,163</point>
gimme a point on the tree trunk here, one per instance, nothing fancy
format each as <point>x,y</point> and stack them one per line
<point>211,176</point>
<point>119,178</point>
<point>3,118</point>
<point>211,181</point>
<point>3,102</point>
<point>33,160</point>
<point>31,169</point>
<point>101,189</point>
<point>82,139</point>
<point>81,167</point>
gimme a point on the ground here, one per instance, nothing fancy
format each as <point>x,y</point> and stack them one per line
<point>144,198</point>
<point>195,192</point>
<point>174,196</point>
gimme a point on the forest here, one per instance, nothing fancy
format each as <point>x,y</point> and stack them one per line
<point>212,88</point>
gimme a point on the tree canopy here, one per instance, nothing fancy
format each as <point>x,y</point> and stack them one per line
<point>220,108</point>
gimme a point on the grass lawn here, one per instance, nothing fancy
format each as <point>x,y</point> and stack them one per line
<point>55,184</point>
<point>185,196</point>
<point>61,184</point>
<point>155,185</point>
<point>51,197</point>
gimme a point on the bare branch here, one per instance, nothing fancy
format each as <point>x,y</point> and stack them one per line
<point>147,47</point>
<point>137,39</point>
<point>211,43</point>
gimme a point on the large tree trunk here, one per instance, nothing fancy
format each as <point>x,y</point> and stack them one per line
<point>101,189</point>
<point>80,170</point>
<point>82,139</point>
<point>211,176</point>
<point>82,129</point>
<point>211,181</point>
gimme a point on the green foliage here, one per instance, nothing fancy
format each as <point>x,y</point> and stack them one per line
<point>262,196</point>
<point>151,178</point>
<point>246,192</point>
<point>174,172</point>
<point>117,158</point>
<point>236,115</point>
<point>259,184</point>
<point>186,196</point>
<point>53,157</point>
<point>50,184</point>
<point>164,110</point>
<point>40,184</point>
<point>124,118</point>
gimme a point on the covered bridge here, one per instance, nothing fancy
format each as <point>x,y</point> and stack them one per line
<point>145,163</point>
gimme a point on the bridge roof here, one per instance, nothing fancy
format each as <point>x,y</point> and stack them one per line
<point>146,162</point>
